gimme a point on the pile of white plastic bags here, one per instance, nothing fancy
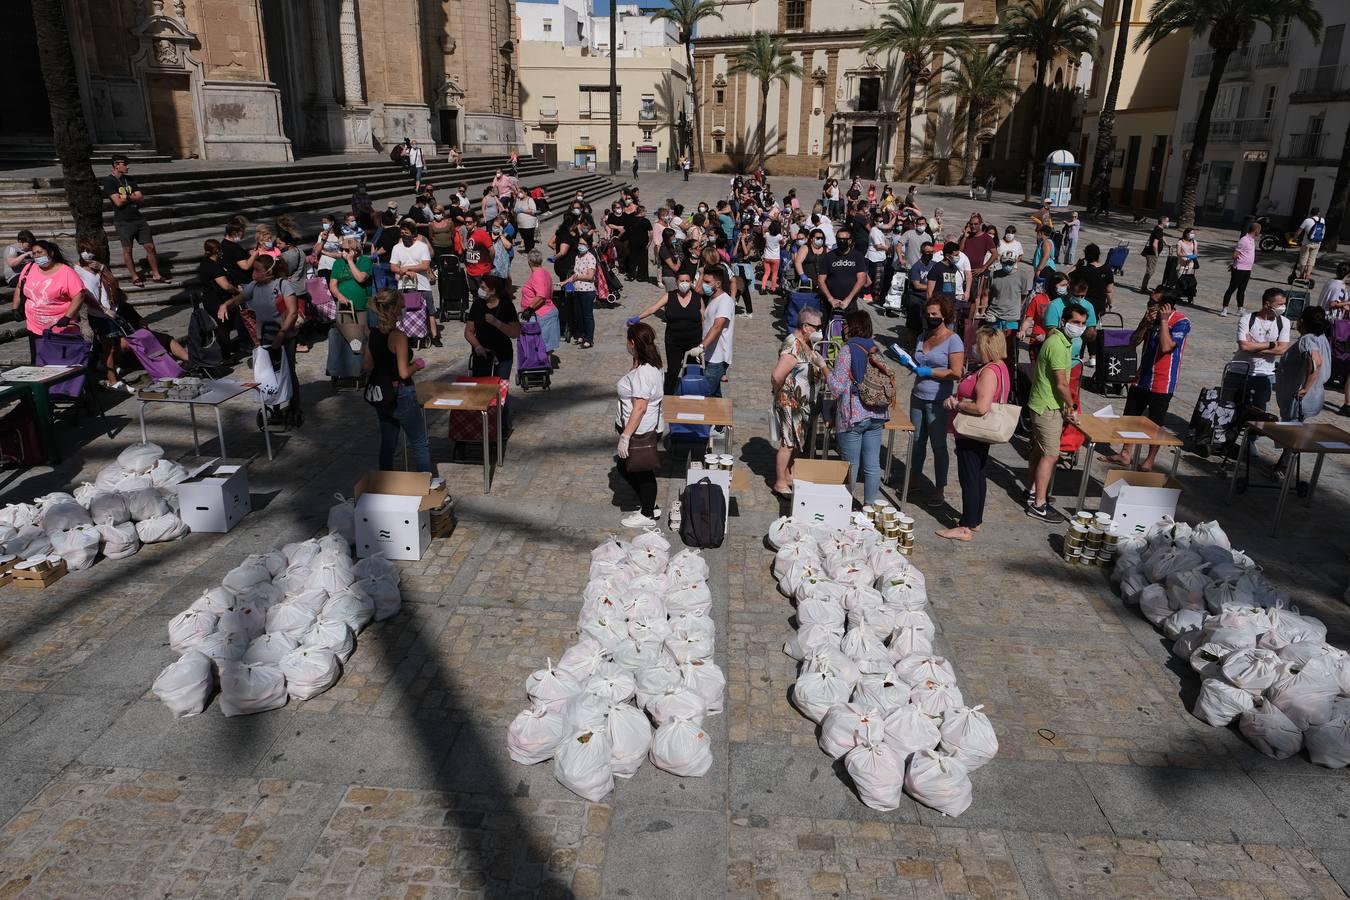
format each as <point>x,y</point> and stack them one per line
<point>280,625</point>
<point>1263,664</point>
<point>639,680</point>
<point>132,502</point>
<point>868,676</point>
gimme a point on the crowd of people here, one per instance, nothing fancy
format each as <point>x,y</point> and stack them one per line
<point>970,296</point>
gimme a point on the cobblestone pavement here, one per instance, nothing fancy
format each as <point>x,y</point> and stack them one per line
<point>396,782</point>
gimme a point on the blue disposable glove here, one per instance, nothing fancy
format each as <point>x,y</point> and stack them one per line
<point>633,320</point>
<point>923,371</point>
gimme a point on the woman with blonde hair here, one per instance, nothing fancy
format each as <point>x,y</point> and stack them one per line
<point>975,395</point>
<point>265,241</point>
<point>389,366</point>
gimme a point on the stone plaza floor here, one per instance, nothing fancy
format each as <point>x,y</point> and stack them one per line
<point>396,782</point>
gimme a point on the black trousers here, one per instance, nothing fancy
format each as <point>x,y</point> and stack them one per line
<point>1237,284</point>
<point>971,457</point>
<point>527,236</point>
<point>643,484</point>
<point>676,350</point>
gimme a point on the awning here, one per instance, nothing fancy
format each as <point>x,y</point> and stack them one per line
<point>584,148</point>
<point>647,148</point>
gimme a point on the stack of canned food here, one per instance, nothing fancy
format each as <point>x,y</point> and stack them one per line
<point>1089,541</point>
<point>892,523</point>
<point>714,462</point>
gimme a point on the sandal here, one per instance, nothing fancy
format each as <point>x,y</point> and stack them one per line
<point>138,282</point>
<point>160,280</point>
<point>586,345</point>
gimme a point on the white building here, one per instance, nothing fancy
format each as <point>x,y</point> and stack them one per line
<point>1278,124</point>
<point>564,76</point>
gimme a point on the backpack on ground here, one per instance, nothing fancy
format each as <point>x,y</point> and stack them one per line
<point>703,514</point>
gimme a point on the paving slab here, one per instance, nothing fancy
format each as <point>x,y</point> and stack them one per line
<point>147,735</point>
<point>128,663</point>
<point>343,749</point>
<point>12,701</point>
<point>778,780</point>
<point>16,789</point>
<point>1024,795</point>
<point>1187,804</point>
<point>51,730</point>
<point>1317,808</point>
<point>670,853</point>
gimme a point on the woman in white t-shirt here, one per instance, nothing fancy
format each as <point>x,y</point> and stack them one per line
<point>410,264</point>
<point>639,424</point>
<point>772,257</point>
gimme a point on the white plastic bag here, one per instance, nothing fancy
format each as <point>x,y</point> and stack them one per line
<point>968,735</point>
<point>189,628</point>
<point>1182,621</point>
<point>140,458</point>
<point>552,687</point>
<point>1251,669</point>
<point>682,747</point>
<point>384,592</point>
<point>351,606</point>
<point>1305,692</point>
<point>119,541</point>
<point>581,764</point>
<point>688,565</point>
<point>678,701</point>
<point>291,618</point>
<point>705,678</point>
<point>253,570</point>
<point>1154,604</point>
<point>1186,590</point>
<point>331,634</point>
<point>64,515</point>
<point>268,649</point>
<point>910,640</point>
<point>867,651</point>
<point>247,689</point>
<point>845,724</point>
<point>166,473</point>
<point>534,735</point>
<point>939,782</point>
<point>244,621</point>
<point>216,600</point>
<point>145,503</point>
<point>1329,743</point>
<point>909,729</point>
<point>815,692</point>
<point>309,671</point>
<point>78,546</point>
<point>185,685</point>
<point>919,669</point>
<point>1219,703</point>
<point>881,692</point>
<point>342,519</point>
<point>878,772</point>
<point>820,612</point>
<point>630,738</point>
<point>613,684</point>
<point>274,384</point>
<point>655,680</point>
<point>812,639</point>
<point>167,527</point>
<point>1269,730</point>
<point>904,589</point>
<point>936,698</point>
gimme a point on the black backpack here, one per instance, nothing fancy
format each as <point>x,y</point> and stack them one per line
<point>704,515</point>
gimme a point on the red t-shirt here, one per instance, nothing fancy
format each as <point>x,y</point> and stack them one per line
<point>976,248</point>
<point>478,255</point>
<point>1036,309</point>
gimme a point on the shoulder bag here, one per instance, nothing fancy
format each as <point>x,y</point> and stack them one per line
<point>643,452</point>
<point>877,389</point>
<point>994,427</point>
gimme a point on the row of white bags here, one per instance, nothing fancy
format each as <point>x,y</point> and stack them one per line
<point>115,514</point>
<point>643,658</point>
<point>281,624</point>
<point>868,675</point>
<point>1263,665</point>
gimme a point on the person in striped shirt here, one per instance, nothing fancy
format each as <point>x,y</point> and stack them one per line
<point>1163,332</point>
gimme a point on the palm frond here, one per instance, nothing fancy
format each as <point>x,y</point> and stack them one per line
<point>1046,28</point>
<point>764,58</point>
<point>1228,23</point>
<point>915,28</point>
<point>686,14</point>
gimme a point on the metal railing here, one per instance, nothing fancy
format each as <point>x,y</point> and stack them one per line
<point>1305,146</point>
<point>1239,63</point>
<point>1272,54</point>
<point>1323,80</point>
<point>1231,131</point>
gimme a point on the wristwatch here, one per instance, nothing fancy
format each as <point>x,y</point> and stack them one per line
<point>1272,345</point>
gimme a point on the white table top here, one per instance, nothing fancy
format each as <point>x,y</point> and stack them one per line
<point>217,392</point>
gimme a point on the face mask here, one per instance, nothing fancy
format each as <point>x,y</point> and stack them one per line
<point>1007,265</point>
<point>1061,290</point>
<point>496,232</point>
<point>843,241</point>
<point>327,226</point>
<point>268,245</point>
<point>1010,237</point>
<point>703,209</point>
<point>1277,310</point>
<point>351,223</point>
<point>482,293</point>
<point>926,257</point>
<point>934,321</point>
<point>708,290</point>
<point>686,287</point>
<point>438,216</point>
<point>576,210</point>
<point>818,242</point>
<point>407,241</point>
<point>42,261</point>
<point>86,256</point>
<point>1075,330</point>
<point>582,248</point>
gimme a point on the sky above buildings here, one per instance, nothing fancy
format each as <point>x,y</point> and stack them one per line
<point>602,6</point>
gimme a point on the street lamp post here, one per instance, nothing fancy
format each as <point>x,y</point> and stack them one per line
<point>613,88</point>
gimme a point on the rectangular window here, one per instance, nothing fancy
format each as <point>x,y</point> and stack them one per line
<point>594,101</point>
<point>1268,101</point>
<point>1316,124</point>
<point>548,26</point>
<point>720,96</point>
<point>717,145</point>
<point>647,112</point>
<point>646,134</point>
<point>794,15</point>
<point>869,94</point>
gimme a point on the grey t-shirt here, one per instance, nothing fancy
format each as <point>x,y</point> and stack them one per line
<point>1006,292</point>
<point>12,275</point>
<point>909,245</point>
<point>1293,369</point>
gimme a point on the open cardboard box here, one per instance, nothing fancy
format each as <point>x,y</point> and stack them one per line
<point>1137,500</point>
<point>822,492</point>
<point>214,497</point>
<point>393,514</point>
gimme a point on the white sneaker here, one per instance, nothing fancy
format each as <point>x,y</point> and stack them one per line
<point>638,520</point>
<point>1223,313</point>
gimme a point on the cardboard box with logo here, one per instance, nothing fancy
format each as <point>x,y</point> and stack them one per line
<point>393,514</point>
<point>1136,500</point>
<point>214,498</point>
<point>822,492</point>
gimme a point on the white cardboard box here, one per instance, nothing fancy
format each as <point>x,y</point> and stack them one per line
<point>215,497</point>
<point>393,514</point>
<point>822,493</point>
<point>731,481</point>
<point>1137,500</point>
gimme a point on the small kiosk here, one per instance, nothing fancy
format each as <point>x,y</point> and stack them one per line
<point>1058,184</point>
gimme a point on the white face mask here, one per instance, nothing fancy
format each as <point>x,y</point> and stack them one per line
<point>1075,329</point>
<point>1278,310</point>
<point>686,287</point>
<point>86,256</point>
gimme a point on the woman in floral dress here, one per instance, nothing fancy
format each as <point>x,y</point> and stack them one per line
<point>791,381</point>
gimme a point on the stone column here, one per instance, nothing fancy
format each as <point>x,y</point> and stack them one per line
<point>355,113</point>
<point>323,51</point>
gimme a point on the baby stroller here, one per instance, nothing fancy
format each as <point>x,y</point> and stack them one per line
<point>534,368</point>
<point>1117,364</point>
<point>1115,258</point>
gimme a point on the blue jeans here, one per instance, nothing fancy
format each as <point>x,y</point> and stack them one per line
<point>1259,388</point>
<point>860,446</point>
<point>930,427</point>
<point>583,326</point>
<point>482,367</point>
<point>406,416</point>
<point>712,373</point>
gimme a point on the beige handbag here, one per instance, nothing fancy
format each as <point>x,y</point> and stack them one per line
<point>994,427</point>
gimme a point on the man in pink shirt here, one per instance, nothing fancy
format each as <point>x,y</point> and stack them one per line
<point>1240,269</point>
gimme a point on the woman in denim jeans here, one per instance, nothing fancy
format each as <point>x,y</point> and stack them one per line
<point>388,363</point>
<point>858,427</point>
<point>939,361</point>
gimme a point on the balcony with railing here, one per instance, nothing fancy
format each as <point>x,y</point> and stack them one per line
<point>1231,131</point>
<point>1321,83</point>
<point>1272,55</point>
<point>1306,147</point>
<point>1239,63</point>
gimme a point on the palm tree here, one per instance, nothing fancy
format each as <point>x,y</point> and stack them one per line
<point>1099,193</point>
<point>1340,192</point>
<point>685,15</point>
<point>69,132</point>
<point>1044,29</point>
<point>764,58</point>
<point>1230,24</point>
<point>979,82</point>
<point>915,29</point>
